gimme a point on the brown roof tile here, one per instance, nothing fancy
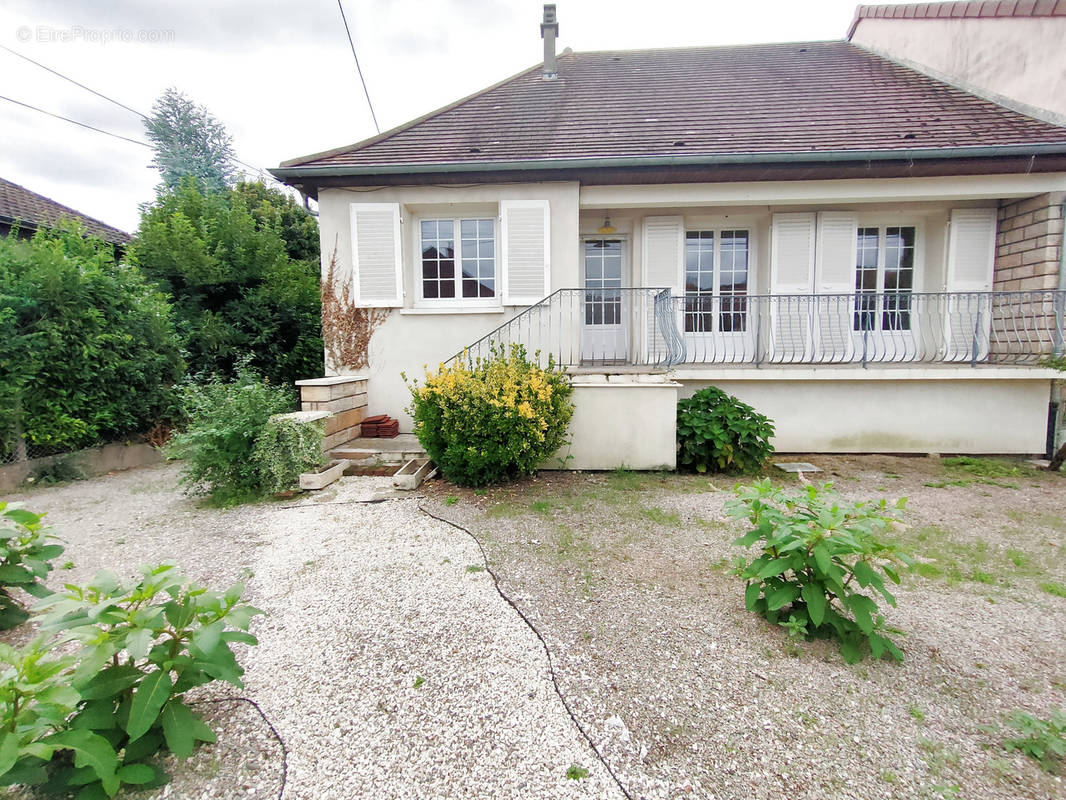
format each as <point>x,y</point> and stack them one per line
<point>776,98</point>
<point>33,210</point>
<point>972,9</point>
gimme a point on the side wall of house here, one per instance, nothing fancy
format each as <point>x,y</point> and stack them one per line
<point>1021,60</point>
<point>1029,243</point>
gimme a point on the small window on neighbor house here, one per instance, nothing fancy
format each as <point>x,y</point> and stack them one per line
<point>884,278</point>
<point>476,276</point>
<point>716,281</point>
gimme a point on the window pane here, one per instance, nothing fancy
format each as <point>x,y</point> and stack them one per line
<point>469,288</point>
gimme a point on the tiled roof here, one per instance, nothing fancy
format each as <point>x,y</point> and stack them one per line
<point>807,98</point>
<point>972,9</point>
<point>33,210</point>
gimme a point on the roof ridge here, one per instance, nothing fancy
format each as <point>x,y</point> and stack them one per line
<point>708,47</point>
<point>384,135</point>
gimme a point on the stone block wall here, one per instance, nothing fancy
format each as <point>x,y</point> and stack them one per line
<point>343,398</point>
<point>1028,243</point>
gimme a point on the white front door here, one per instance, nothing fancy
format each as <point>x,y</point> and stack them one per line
<point>603,333</point>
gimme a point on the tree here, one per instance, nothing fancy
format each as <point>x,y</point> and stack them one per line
<point>88,349</point>
<point>236,289</point>
<point>189,142</point>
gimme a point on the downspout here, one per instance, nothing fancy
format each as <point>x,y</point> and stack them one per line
<point>1055,426</point>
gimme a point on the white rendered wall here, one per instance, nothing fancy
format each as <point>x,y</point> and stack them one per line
<point>1019,59</point>
<point>624,423</point>
<point>411,338</point>
<point>946,414</point>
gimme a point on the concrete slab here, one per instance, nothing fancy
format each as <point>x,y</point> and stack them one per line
<point>796,466</point>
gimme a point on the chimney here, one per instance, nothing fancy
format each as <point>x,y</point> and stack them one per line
<point>549,30</point>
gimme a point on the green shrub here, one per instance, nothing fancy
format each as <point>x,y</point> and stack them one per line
<point>718,433</point>
<point>91,722</point>
<point>88,349</point>
<point>284,449</point>
<point>224,420</point>
<point>817,553</point>
<point>1042,740</point>
<point>496,419</point>
<point>25,555</point>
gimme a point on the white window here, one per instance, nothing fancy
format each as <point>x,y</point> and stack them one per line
<point>463,274</point>
<point>716,281</point>
<point>884,278</point>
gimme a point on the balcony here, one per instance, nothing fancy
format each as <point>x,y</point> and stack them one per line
<point>653,328</point>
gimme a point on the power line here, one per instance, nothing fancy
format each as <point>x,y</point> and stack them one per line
<point>74,121</point>
<point>259,171</point>
<point>358,68</point>
<point>71,80</point>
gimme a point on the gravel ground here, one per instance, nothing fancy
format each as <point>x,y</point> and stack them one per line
<point>362,600</point>
<point>688,695</point>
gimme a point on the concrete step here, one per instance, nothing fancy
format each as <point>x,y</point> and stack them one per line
<point>363,452</point>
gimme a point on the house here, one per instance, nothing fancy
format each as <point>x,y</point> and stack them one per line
<point>27,211</point>
<point>870,256</point>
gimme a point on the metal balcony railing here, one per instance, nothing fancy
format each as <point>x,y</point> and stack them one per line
<point>653,328</point>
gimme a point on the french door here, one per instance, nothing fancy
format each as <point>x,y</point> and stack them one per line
<point>604,338</point>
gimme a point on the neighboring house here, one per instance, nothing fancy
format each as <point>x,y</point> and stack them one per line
<point>1012,52</point>
<point>27,211</point>
<point>868,255</point>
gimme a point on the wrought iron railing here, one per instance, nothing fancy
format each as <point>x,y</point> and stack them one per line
<point>651,327</point>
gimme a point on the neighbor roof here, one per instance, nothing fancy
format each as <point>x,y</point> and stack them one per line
<point>969,9</point>
<point>808,101</point>
<point>32,211</point>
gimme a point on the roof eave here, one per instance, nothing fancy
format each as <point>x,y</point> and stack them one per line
<point>825,156</point>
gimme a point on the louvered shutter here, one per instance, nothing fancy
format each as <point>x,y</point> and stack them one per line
<point>971,253</point>
<point>792,248</point>
<point>663,259</point>
<point>525,229</point>
<point>835,279</point>
<point>377,257</point>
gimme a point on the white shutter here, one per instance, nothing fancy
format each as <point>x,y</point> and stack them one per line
<point>792,248</point>
<point>971,254</point>
<point>377,257</point>
<point>525,229</point>
<point>835,275</point>
<point>664,253</point>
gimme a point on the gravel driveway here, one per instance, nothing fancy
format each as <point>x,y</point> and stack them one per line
<point>362,601</point>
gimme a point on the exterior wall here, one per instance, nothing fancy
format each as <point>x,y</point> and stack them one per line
<point>898,410</point>
<point>621,421</point>
<point>1020,61</point>
<point>1029,243</point>
<point>411,338</point>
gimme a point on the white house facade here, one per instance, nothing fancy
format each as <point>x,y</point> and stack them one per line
<point>871,258</point>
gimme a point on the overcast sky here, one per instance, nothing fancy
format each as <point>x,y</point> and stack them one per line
<point>281,77</point>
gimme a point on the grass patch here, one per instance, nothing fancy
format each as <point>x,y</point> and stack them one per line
<point>989,467</point>
<point>1054,588</point>
<point>576,772</point>
<point>660,517</point>
<point>543,507</point>
<point>475,568</point>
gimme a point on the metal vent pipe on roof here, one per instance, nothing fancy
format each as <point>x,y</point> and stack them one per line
<point>549,30</point>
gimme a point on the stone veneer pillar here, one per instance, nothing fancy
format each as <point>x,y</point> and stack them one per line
<point>344,398</point>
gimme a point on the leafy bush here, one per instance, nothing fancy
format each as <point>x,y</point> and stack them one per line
<point>88,349</point>
<point>817,553</point>
<point>90,723</point>
<point>224,420</point>
<point>25,553</point>
<point>284,449</point>
<point>717,432</point>
<point>1042,740</point>
<point>496,419</point>
<point>243,270</point>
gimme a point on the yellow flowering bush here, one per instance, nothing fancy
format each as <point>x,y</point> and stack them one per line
<point>494,419</point>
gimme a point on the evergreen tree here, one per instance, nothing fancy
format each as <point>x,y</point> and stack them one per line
<point>189,142</point>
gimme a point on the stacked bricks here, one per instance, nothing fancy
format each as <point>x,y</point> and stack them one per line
<point>1028,243</point>
<point>344,398</point>
<point>382,426</point>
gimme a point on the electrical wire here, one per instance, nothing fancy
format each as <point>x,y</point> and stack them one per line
<point>266,719</point>
<point>74,121</point>
<point>260,172</point>
<point>358,68</point>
